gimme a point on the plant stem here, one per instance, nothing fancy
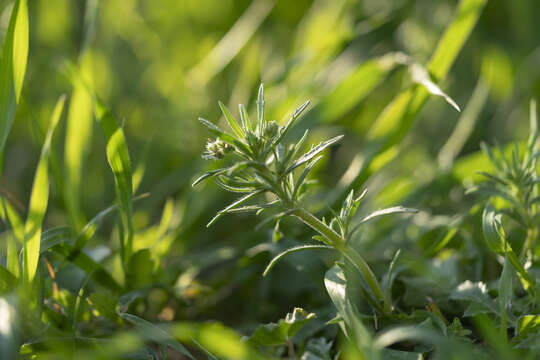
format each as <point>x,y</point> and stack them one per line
<point>290,346</point>
<point>348,252</point>
<point>310,220</point>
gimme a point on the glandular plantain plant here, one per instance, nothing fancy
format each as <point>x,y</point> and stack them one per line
<point>262,164</point>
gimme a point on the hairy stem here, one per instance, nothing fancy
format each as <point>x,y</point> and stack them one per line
<point>348,252</point>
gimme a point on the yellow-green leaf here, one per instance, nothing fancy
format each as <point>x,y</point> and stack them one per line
<point>118,157</point>
<point>13,67</point>
<point>38,201</point>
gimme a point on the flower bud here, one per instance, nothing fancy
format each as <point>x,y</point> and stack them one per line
<point>216,149</point>
<point>271,129</point>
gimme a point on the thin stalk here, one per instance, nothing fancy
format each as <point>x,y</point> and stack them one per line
<point>348,252</point>
<point>290,346</point>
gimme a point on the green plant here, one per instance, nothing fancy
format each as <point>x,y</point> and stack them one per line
<point>512,191</point>
<point>264,164</point>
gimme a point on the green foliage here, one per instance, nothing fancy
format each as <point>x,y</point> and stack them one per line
<point>115,266</point>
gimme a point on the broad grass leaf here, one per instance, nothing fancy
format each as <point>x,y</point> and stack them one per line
<point>118,157</point>
<point>38,201</point>
<point>78,139</point>
<point>355,87</point>
<point>13,67</point>
<point>395,121</point>
<point>400,113</point>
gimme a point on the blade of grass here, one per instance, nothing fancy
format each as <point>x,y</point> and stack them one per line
<point>79,122</point>
<point>118,157</point>
<point>360,83</point>
<point>152,332</point>
<point>78,136</point>
<point>38,202</point>
<point>232,42</point>
<point>13,68</point>
<point>12,220</point>
<point>397,118</point>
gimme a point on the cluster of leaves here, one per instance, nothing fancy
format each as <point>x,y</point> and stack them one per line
<point>512,192</point>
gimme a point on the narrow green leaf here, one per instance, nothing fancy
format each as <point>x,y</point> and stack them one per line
<point>93,225</point>
<point>390,277</point>
<point>285,129</point>
<point>244,118</point>
<point>533,126</point>
<point>13,67</point>
<point>238,202</point>
<point>7,280</point>
<point>290,155</point>
<point>420,75</point>
<point>277,258</point>
<point>118,157</point>
<point>231,120</point>
<point>528,324</point>
<point>505,294</point>
<point>312,153</point>
<point>492,229</point>
<point>12,220</point>
<point>78,136</point>
<point>303,176</point>
<point>207,175</point>
<point>355,87</point>
<point>393,124</point>
<point>38,201</point>
<point>55,236</point>
<point>260,110</point>
<point>526,280</point>
<point>495,191</point>
<point>388,211</point>
<point>155,333</point>
<point>225,137</point>
<point>87,264</point>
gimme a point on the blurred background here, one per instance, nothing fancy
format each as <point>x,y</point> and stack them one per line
<point>160,64</point>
